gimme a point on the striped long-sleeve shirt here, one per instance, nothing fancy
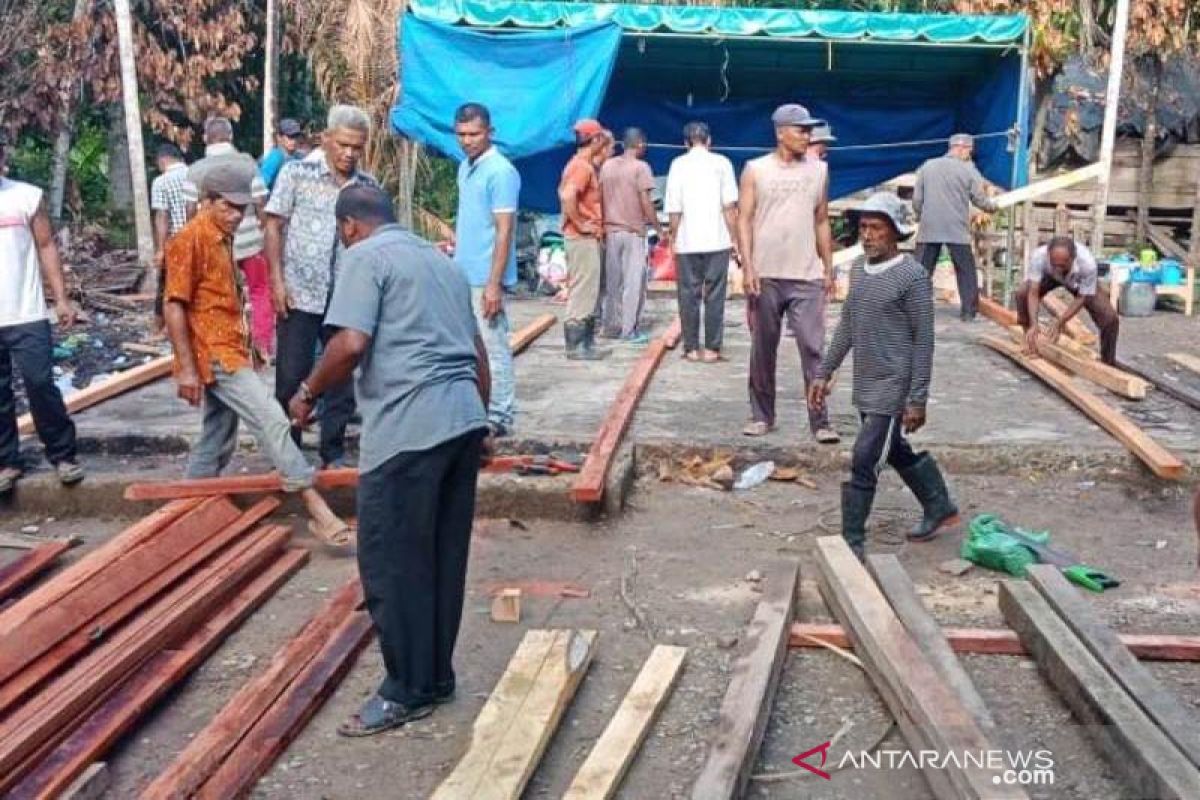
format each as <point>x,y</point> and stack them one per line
<point>888,321</point>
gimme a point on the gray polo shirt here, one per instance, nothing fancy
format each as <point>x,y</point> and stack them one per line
<point>416,384</point>
<point>946,187</point>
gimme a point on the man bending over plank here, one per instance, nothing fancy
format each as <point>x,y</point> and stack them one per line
<point>402,315</point>
<point>888,322</point>
<point>205,313</point>
<point>1066,263</point>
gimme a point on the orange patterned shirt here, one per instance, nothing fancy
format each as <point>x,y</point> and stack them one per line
<point>201,275</point>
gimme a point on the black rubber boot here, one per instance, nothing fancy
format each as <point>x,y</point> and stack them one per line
<point>589,342</point>
<point>924,480</point>
<point>576,336</point>
<point>856,507</point>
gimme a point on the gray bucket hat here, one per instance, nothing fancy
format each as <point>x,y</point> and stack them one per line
<point>822,133</point>
<point>890,206</point>
<point>794,114</point>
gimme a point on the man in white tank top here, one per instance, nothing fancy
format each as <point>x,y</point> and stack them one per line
<point>787,254</point>
<point>28,255</point>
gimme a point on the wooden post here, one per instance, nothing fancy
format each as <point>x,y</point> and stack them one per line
<point>137,149</point>
<point>270,76</point>
<point>1194,247</point>
<point>1108,136</point>
<point>62,143</point>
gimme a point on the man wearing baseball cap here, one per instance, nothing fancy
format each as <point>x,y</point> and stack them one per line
<point>946,188</point>
<point>787,254</point>
<point>887,321</point>
<point>289,136</point>
<point>583,229</point>
<point>205,315</point>
<point>819,141</point>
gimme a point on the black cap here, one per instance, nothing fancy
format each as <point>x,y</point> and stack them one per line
<point>290,127</point>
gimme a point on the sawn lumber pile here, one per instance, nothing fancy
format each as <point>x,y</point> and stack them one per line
<point>90,650</point>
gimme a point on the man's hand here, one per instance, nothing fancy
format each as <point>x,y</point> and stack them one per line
<point>487,449</point>
<point>300,410</point>
<point>66,312</point>
<point>1031,340</point>
<point>280,299</point>
<point>160,259</point>
<point>1054,329</point>
<point>818,390</point>
<point>493,301</point>
<point>830,287</point>
<point>914,418</point>
<point>750,281</point>
<point>188,386</point>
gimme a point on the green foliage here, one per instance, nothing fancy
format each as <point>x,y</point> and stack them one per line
<point>435,189</point>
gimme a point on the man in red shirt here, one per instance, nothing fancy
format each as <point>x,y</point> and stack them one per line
<point>583,229</point>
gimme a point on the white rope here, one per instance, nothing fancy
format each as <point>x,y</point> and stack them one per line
<point>844,148</point>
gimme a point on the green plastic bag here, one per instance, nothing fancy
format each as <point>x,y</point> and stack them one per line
<point>989,545</point>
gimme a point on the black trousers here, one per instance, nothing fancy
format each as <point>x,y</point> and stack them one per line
<point>880,441</point>
<point>964,271</point>
<point>295,354</point>
<point>30,348</point>
<point>702,277</point>
<point>414,534</point>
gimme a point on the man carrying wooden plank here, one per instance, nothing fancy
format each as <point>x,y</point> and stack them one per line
<point>888,322</point>
<point>28,255</point>
<point>946,189</point>
<point>214,365</point>
<point>1066,263</point>
<point>402,315</point>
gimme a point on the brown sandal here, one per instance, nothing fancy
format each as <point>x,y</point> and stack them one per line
<point>339,538</point>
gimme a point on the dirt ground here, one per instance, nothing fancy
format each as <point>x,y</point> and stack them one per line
<point>686,553</point>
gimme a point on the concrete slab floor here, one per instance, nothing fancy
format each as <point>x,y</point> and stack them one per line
<point>686,555</point>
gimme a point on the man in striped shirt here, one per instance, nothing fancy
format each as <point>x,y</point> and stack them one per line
<point>888,321</point>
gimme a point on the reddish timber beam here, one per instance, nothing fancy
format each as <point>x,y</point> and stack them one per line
<point>996,312</point>
<point>589,486</point>
<point>1005,642</point>
<point>519,340</point>
<point>236,484</point>
<point>14,576</point>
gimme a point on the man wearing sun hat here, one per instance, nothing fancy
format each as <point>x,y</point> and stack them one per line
<point>583,230</point>
<point>887,321</point>
<point>787,254</point>
<point>819,141</point>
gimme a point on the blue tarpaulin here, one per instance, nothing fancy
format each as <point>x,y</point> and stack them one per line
<point>892,103</point>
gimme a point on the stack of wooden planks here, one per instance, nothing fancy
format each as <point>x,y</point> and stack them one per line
<point>87,652</point>
<point>18,574</point>
<point>1150,737</point>
<point>228,757</point>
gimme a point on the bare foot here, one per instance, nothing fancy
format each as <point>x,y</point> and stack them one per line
<point>334,533</point>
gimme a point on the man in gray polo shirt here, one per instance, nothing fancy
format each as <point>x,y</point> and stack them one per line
<point>946,188</point>
<point>403,317</point>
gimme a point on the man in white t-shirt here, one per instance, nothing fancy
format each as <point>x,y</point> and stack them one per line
<point>701,202</point>
<point>27,255</point>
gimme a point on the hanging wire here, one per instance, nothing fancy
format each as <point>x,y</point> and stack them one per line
<point>845,148</point>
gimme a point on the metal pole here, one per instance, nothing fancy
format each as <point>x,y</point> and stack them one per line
<point>1108,136</point>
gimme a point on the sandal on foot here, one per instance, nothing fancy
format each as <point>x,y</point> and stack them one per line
<point>378,715</point>
<point>756,428</point>
<point>826,435</point>
<point>691,355</point>
<point>339,538</point>
<point>712,356</point>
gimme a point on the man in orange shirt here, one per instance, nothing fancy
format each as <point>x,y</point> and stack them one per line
<point>205,317</point>
<point>583,229</point>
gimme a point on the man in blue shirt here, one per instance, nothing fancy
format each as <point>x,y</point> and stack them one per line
<point>288,139</point>
<point>486,250</point>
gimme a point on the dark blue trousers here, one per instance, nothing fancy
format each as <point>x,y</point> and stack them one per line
<point>29,348</point>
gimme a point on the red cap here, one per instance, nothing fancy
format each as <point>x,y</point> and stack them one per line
<point>587,128</point>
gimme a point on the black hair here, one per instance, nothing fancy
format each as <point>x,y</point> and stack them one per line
<point>365,204</point>
<point>1061,243</point>
<point>168,150</point>
<point>468,112</point>
<point>696,132</point>
<point>633,137</point>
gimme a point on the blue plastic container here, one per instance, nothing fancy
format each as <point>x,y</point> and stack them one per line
<point>1171,272</point>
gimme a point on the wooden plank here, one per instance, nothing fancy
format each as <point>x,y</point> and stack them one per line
<point>613,753</point>
<point>1162,383</point>
<point>1065,354</point>
<point>16,575</point>
<point>996,312</point>
<point>45,721</point>
<point>1074,328</point>
<point>514,727</point>
<point>1186,360</point>
<point>589,485</point>
<point>914,688</point>
<point>204,754</point>
<point>22,645</point>
<point>96,629</point>
<point>747,704</point>
<point>110,387</point>
<point>268,483</point>
<point>1005,642</point>
<point>672,334</point>
<point>1044,187</point>
<point>900,592</point>
<point>1130,741</point>
<point>520,340</point>
<point>1167,711</point>
<point>286,718</point>
<point>104,727</point>
<point>49,592</point>
<point>1161,461</point>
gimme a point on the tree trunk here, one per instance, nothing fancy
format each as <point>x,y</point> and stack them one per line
<point>120,182</point>
<point>271,76</point>
<point>1087,27</point>
<point>1149,137</point>
<point>62,142</point>
<point>133,132</point>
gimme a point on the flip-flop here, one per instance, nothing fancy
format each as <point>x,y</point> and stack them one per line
<point>378,715</point>
<point>341,538</point>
